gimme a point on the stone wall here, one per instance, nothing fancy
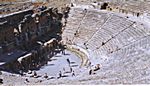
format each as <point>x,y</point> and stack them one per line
<point>11,7</point>
<point>7,26</point>
<point>29,32</point>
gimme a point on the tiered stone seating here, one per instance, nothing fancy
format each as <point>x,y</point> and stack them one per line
<point>111,28</point>
<point>78,25</point>
<point>73,23</point>
<point>126,37</point>
<point>124,43</point>
<point>87,29</point>
<point>134,51</point>
<point>131,64</point>
<point>84,34</point>
<point>139,46</point>
<point>95,19</point>
<point>99,37</point>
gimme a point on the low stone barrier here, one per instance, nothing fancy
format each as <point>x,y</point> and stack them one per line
<point>81,53</point>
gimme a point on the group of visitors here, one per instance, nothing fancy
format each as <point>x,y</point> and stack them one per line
<point>96,68</point>
<point>71,70</point>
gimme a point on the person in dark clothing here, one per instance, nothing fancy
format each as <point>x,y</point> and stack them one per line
<point>97,67</point>
<point>27,80</point>
<point>73,74</point>
<point>68,61</point>
<point>1,81</point>
<point>103,43</point>
<point>21,72</point>
<point>70,69</point>
<point>72,5</point>
<point>45,76</point>
<point>35,74</point>
<point>90,72</point>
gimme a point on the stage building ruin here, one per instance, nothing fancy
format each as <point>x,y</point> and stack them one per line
<point>27,33</point>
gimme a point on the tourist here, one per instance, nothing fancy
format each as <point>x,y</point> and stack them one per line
<point>21,72</point>
<point>34,73</point>
<point>1,81</point>
<point>72,5</point>
<point>63,49</point>
<point>138,14</point>
<point>73,74</point>
<point>89,65</point>
<point>70,69</point>
<point>68,61</point>
<point>97,67</point>
<point>85,10</point>
<point>26,80</point>
<point>90,72</point>
<point>60,74</point>
<point>45,76</point>
<point>63,70</point>
<point>103,43</point>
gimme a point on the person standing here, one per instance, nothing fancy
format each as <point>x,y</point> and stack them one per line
<point>60,74</point>
<point>34,73</point>
<point>68,61</point>
<point>73,73</point>
<point>90,72</point>
<point>46,76</point>
<point>70,69</point>
<point>1,81</point>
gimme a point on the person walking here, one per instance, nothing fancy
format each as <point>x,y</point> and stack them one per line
<point>70,69</point>
<point>68,61</point>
